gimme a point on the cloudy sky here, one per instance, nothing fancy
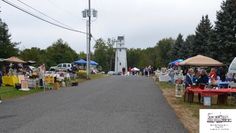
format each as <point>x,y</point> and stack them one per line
<point>143,22</point>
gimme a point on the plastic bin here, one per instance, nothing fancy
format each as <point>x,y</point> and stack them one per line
<point>207,101</point>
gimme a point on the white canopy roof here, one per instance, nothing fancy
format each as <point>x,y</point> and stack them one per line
<point>135,69</point>
<point>232,67</point>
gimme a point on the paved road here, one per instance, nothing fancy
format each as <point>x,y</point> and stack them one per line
<point>111,105</point>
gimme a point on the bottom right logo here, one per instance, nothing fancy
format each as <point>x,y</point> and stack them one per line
<point>217,121</point>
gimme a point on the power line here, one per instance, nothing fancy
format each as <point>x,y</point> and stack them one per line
<point>31,14</point>
<point>42,13</point>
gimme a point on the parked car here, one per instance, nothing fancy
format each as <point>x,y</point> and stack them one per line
<point>111,73</point>
<point>62,66</point>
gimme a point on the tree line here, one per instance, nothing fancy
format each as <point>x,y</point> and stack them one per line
<point>216,40</point>
<point>58,52</point>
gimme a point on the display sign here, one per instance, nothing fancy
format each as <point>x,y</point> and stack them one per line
<point>217,121</point>
<point>24,85</point>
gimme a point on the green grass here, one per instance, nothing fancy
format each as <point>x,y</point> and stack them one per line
<point>92,77</point>
<point>166,85</point>
<point>11,92</point>
<point>194,107</point>
<point>97,76</point>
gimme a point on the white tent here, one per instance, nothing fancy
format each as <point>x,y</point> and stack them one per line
<point>232,67</point>
<point>135,69</point>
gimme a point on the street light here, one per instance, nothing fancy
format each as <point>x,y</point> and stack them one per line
<point>88,14</point>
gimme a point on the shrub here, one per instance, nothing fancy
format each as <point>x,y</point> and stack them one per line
<point>82,74</point>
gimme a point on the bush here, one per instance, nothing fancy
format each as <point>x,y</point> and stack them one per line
<point>82,74</point>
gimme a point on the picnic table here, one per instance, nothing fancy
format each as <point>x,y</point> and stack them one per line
<point>222,93</point>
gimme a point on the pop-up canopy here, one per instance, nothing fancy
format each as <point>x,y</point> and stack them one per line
<point>232,67</point>
<point>176,62</point>
<point>135,69</point>
<point>83,62</point>
<point>80,61</point>
<point>200,60</point>
<point>14,59</point>
<point>93,63</point>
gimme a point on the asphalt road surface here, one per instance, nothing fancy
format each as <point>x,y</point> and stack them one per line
<point>116,104</point>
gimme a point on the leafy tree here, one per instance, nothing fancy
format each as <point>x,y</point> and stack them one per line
<point>60,52</point>
<point>82,55</point>
<point>145,59</point>
<point>133,57</point>
<point>164,52</point>
<point>7,48</point>
<point>202,34</point>
<point>111,53</point>
<point>35,54</point>
<point>223,40</point>
<point>104,54</point>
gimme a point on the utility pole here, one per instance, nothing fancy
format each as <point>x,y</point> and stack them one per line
<point>88,14</point>
<point>89,39</point>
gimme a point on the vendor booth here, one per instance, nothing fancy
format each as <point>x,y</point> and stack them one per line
<point>164,76</point>
<point>221,89</point>
<point>12,78</point>
<point>200,61</point>
<point>82,65</point>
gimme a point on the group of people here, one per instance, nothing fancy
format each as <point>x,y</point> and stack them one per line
<point>147,71</point>
<point>201,77</point>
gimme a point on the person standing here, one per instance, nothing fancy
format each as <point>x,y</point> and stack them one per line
<point>172,75</point>
<point>188,83</point>
<point>189,78</point>
<point>123,71</point>
<point>41,75</point>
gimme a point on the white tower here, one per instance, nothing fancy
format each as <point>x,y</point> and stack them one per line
<point>121,58</point>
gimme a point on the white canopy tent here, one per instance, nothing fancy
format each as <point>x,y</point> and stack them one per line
<point>232,67</point>
<point>135,69</point>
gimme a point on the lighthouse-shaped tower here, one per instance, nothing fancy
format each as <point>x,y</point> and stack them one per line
<point>121,57</point>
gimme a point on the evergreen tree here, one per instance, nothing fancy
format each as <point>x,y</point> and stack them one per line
<point>175,52</point>
<point>224,38</point>
<point>189,42</point>
<point>7,48</point>
<point>202,35</point>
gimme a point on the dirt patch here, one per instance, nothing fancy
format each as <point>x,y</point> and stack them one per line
<point>188,113</point>
<point>185,115</point>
